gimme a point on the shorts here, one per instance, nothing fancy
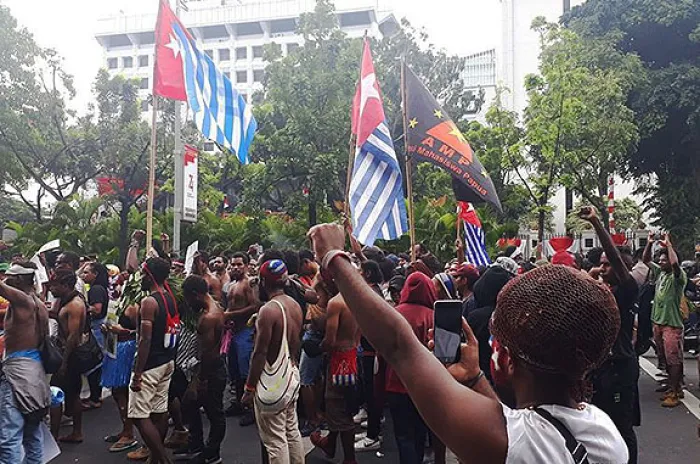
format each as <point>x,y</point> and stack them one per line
<point>71,383</point>
<point>240,352</point>
<point>153,397</point>
<point>178,385</point>
<point>310,368</point>
<point>669,340</point>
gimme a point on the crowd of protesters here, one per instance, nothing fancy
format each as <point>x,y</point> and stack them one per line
<point>321,343</point>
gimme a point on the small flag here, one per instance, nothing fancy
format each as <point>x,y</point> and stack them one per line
<point>184,72</point>
<point>376,191</point>
<point>474,239</point>
<point>433,136</point>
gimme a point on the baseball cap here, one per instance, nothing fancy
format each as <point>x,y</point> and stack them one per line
<point>17,269</point>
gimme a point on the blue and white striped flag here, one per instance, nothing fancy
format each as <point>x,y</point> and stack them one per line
<point>474,239</point>
<point>376,191</point>
<point>220,112</point>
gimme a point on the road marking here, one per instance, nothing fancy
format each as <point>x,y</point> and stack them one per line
<point>690,401</point>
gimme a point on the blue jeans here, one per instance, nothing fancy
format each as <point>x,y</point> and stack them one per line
<point>16,432</point>
<point>409,429</point>
<point>240,352</point>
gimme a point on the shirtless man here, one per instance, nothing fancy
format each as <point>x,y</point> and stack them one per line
<point>277,420</point>
<point>22,377</point>
<point>341,340</point>
<point>220,265</point>
<point>200,267</point>
<point>243,302</point>
<point>70,311</point>
<point>207,387</point>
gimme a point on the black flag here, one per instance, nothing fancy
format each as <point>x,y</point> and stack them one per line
<point>432,136</point>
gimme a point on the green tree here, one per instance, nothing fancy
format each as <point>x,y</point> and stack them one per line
<point>665,100</point>
<point>38,145</point>
<point>628,215</point>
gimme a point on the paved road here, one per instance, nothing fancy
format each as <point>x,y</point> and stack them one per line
<point>666,436</point>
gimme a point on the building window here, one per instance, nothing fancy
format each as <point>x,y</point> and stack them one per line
<point>258,75</point>
<point>128,62</point>
<point>224,54</point>
<point>209,53</point>
<point>143,61</point>
<point>292,47</point>
<point>112,63</point>
<point>144,83</point>
<point>258,51</point>
<point>208,146</point>
<point>227,74</point>
<point>242,77</point>
<point>144,105</point>
<point>244,95</point>
<point>588,243</point>
<point>241,53</point>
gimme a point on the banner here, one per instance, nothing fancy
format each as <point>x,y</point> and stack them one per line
<point>189,200</point>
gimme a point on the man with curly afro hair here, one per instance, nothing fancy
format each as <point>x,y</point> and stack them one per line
<point>550,328</point>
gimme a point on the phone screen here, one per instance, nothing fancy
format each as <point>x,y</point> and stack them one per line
<point>448,330</point>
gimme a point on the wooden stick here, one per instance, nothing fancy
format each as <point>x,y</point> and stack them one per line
<point>151,177</point>
<point>348,181</point>
<point>409,168</point>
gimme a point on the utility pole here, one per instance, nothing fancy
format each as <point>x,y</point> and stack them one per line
<point>179,157</point>
<point>568,194</point>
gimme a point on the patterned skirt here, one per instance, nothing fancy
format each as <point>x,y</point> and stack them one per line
<point>116,372</point>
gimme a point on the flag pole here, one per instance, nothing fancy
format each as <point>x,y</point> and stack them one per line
<point>151,177</point>
<point>353,141</point>
<point>348,180</point>
<point>409,168</point>
<point>179,157</point>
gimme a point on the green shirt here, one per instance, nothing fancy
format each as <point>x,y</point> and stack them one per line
<point>667,299</point>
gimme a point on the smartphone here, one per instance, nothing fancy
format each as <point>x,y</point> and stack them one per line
<point>448,330</point>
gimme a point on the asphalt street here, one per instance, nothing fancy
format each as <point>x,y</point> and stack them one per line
<point>666,436</point>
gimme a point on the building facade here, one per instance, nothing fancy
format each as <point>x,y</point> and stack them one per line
<point>520,45</point>
<point>232,33</point>
<point>480,75</point>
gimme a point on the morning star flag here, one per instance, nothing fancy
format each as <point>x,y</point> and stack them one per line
<point>432,136</point>
<point>474,245</point>
<point>184,72</point>
<point>376,191</point>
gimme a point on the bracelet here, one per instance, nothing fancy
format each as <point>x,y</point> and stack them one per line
<point>249,388</point>
<point>474,380</point>
<point>330,256</point>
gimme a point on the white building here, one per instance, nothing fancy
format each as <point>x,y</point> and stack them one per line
<point>520,45</point>
<point>232,33</point>
<point>480,73</point>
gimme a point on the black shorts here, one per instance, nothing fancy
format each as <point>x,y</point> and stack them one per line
<point>71,383</point>
<point>178,385</point>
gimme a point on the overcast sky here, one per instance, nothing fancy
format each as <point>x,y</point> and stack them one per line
<point>460,26</point>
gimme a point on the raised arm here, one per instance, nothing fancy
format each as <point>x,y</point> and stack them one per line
<point>673,257</point>
<point>469,423</point>
<point>16,297</point>
<point>588,213</point>
<point>646,256</point>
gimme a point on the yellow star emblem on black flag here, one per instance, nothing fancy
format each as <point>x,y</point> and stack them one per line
<point>413,123</point>
<point>438,114</point>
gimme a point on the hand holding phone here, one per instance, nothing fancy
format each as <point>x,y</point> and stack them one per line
<point>448,330</point>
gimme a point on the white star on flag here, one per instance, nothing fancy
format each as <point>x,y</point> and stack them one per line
<point>174,45</point>
<point>369,90</point>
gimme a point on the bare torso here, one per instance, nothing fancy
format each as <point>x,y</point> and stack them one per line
<point>209,330</point>
<point>75,308</point>
<point>241,295</point>
<point>22,323</point>
<point>348,333</point>
<point>294,323</point>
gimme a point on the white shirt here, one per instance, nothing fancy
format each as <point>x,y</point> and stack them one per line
<point>533,440</point>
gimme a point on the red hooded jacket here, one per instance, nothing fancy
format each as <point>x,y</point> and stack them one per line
<point>416,305</point>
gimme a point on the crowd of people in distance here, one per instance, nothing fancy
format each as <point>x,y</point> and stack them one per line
<point>322,343</point>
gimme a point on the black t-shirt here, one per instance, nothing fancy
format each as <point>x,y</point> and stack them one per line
<point>626,295</point>
<point>96,295</point>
